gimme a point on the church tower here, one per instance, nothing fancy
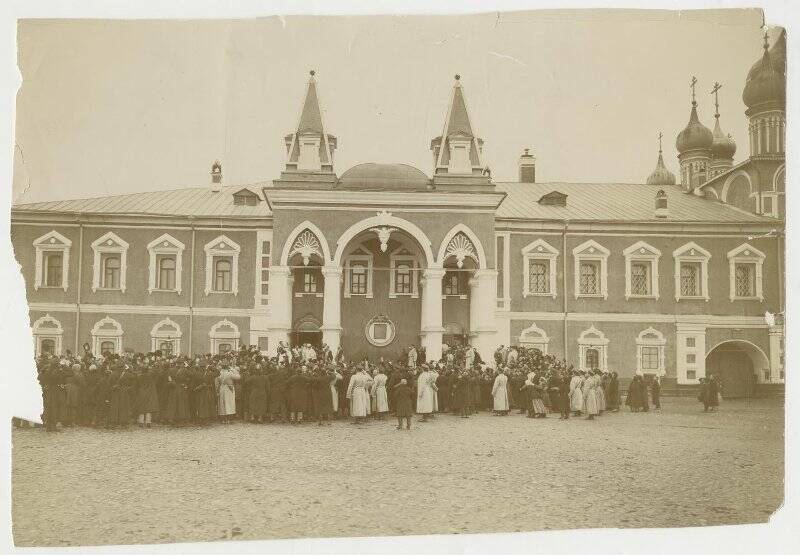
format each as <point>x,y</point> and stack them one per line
<point>723,146</point>
<point>458,152</point>
<point>309,150</point>
<point>694,149</point>
<point>765,97</point>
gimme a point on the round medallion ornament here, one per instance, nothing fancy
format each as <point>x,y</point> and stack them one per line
<point>380,331</point>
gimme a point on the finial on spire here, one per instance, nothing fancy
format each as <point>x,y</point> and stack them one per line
<point>312,73</point>
<point>766,38</point>
<point>715,92</point>
<point>660,136</point>
<point>692,84</point>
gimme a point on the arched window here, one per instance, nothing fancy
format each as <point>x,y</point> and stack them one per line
<point>166,337</point>
<point>650,345</point>
<point>107,348</point>
<point>592,359</point>
<point>593,350</point>
<point>222,274</point>
<point>224,337</point>
<point>47,347</point>
<point>166,273</point>
<point>111,271</point>
<point>107,336</point>
<point>47,333</point>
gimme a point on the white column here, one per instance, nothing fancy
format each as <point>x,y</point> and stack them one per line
<point>280,306</point>
<point>775,366</point>
<point>483,325</point>
<point>332,308</point>
<point>431,329</point>
<point>685,332</point>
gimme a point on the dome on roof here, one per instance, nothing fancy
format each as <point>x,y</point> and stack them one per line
<point>384,177</point>
<point>723,145</point>
<point>695,135</point>
<point>766,80</point>
<point>661,175</point>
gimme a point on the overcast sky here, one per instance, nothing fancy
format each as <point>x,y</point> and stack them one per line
<point>113,107</point>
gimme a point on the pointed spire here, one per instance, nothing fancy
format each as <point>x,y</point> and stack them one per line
<point>457,151</point>
<point>309,148</point>
<point>661,175</point>
<point>310,116</point>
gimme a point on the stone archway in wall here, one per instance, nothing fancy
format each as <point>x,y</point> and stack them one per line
<point>736,363</point>
<point>737,191</point>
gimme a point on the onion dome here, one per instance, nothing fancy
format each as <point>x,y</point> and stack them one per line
<point>723,146</point>
<point>695,135</point>
<point>661,175</point>
<point>766,80</point>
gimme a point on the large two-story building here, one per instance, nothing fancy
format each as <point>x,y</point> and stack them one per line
<point>677,279</point>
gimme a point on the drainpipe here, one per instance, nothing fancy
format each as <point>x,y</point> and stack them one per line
<point>564,283</point>
<point>189,351</point>
<point>79,284</point>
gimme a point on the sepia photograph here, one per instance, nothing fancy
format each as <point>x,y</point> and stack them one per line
<point>347,276</point>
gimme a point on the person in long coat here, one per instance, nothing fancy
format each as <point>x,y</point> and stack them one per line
<point>500,393</point>
<point>589,397</point>
<point>119,412</point>
<point>357,394</point>
<point>336,378</point>
<point>88,409</point>
<point>378,393</point>
<point>205,400</point>
<point>403,406</point>
<point>258,395</point>
<point>634,397</point>
<point>713,393</point>
<point>341,389</point>
<point>515,397</point>
<point>598,392</point>
<point>576,394</point>
<point>564,401</point>
<point>612,393</point>
<point>278,391</point>
<point>146,397</point>
<point>321,396</point>
<point>655,389</point>
<point>74,392</point>
<point>426,391</point>
<point>52,395</point>
<point>226,393</point>
<point>298,385</point>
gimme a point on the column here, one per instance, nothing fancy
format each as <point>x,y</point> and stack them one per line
<point>280,307</point>
<point>431,328</point>
<point>775,366</point>
<point>332,308</point>
<point>483,327</point>
<point>690,352</point>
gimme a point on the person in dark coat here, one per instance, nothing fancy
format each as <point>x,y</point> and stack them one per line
<point>612,393</point>
<point>403,404</point>
<point>564,397</point>
<point>88,409</point>
<point>634,398</point>
<point>712,394</point>
<point>297,385</point>
<point>321,396</point>
<point>443,390</point>
<point>102,398</point>
<point>644,394</point>
<point>177,411</point>
<point>277,395</point>
<point>73,388</point>
<point>341,391</point>
<point>51,395</point>
<point>146,397</point>
<point>655,391</point>
<point>257,387</point>
<point>119,411</point>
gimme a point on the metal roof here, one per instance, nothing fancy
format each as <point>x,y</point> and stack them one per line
<point>627,202</point>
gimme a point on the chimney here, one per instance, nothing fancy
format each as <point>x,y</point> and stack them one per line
<point>216,176</point>
<point>661,205</point>
<point>527,167</point>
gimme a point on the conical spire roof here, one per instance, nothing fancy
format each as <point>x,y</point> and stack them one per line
<point>310,125</point>
<point>310,116</point>
<point>458,123</point>
<point>457,126</point>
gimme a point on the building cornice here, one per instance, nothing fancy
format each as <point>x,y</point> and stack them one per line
<point>20,216</point>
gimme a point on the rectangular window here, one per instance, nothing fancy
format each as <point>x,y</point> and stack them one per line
<point>767,206</point>
<point>690,374</point>
<point>379,332</point>
<point>309,282</point>
<point>592,358</point>
<point>691,358</point>
<point>452,283</point>
<point>590,272</point>
<point>110,271</point>
<point>222,273</point>
<point>650,359</point>
<point>640,279</point>
<point>265,263</point>
<point>690,279</point>
<point>166,272</point>
<point>539,276</point>
<point>53,269</point>
<point>263,343</point>
<point>402,279</point>
<point>690,342</point>
<point>744,279</point>
<point>358,280</point>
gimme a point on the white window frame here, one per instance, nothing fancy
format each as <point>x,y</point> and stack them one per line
<point>216,337</point>
<point>158,334</point>
<point>110,243</point>
<point>40,334</point>
<point>534,337</point>
<point>593,338</point>
<point>100,335</point>
<point>637,253</point>
<point>537,251</point>
<point>52,241</point>
<point>692,253</point>
<point>591,251</point>
<point>368,259</point>
<point>746,254</point>
<point>400,256</point>
<point>651,337</point>
<point>222,246</point>
<point>167,245</point>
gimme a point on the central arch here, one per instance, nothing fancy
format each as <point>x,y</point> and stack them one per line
<point>736,362</point>
<point>384,219</point>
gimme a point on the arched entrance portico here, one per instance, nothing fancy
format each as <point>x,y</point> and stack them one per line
<point>736,363</point>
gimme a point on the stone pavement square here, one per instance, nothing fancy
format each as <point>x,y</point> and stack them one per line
<point>679,467</point>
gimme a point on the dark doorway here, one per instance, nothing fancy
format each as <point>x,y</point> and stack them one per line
<point>734,370</point>
<point>303,337</point>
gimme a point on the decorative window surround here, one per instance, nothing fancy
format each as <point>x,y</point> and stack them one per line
<point>651,337</point>
<point>223,331</point>
<point>591,251</point>
<point>537,251</point>
<point>361,254</point>
<point>166,244</point>
<point>107,329</point>
<point>692,253</point>
<point>51,242</point>
<point>46,328</point>
<point>535,337</point>
<point>746,254</point>
<point>110,243</point>
<point>400,256</point>
<point>166,330</point>
<point>222,246</point>
<point>642,252</point>
<point>593,339</point>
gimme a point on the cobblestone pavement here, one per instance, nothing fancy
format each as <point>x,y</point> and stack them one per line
<point>679,467</point>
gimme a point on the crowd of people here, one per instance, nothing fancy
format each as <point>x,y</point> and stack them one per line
<point>304,384</point>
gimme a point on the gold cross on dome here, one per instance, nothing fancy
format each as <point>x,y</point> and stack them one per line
<point>660,135</point>
<point>693,83</point>
<point>715,92</point>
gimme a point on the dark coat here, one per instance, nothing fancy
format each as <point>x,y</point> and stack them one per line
<point>612,393</point>
<point>119,411</point>
<point>146,396</point>
<point>178,397</point>
<point>634,398</point>
<point>205,399</point>
<point>321,394</point>
<point>257,387</point>
<point>403,403</point>
<point>298,393</point>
